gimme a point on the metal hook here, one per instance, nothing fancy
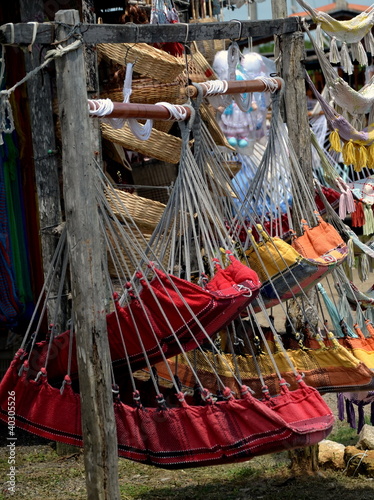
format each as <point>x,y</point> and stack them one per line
<point>240,30</point>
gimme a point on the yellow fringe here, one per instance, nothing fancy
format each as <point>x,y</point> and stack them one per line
<point>348,151</point>
<point>361,158</point>
<point>335,141</point>
<point>370,150</point>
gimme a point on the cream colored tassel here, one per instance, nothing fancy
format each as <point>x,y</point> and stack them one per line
<point>346,59</point>
<point>359,54</point>
<point>369,42</point>
<point>368,227</point>
<point>334,52</point>
<point>319,36</point>
<point>363,267</point>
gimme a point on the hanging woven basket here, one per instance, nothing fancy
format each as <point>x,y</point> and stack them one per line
<point>147,60</point>
<point>144,212</point>
<point>160,145</point>
<point>148,91</point>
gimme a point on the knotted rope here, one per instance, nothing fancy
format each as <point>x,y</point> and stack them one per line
<point>6,114</point>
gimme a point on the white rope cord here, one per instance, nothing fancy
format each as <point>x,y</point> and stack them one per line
<point>101,107</point>
<point>271,84</point>
<point>34,32</point>
<point>177,112</point>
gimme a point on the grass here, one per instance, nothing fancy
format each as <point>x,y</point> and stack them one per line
<point>42,475</point>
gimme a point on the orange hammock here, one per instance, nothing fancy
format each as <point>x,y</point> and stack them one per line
<point>362,347</point>
<point>288,270</point>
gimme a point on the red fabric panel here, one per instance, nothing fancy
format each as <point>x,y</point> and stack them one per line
<point>168,311</point>
<point>193,436</point>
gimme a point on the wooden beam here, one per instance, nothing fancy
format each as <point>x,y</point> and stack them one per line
<point>87,258</point>
<point>149,33</point>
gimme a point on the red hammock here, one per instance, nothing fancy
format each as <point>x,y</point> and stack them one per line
<point>168,311</point>
<point>217,433</point>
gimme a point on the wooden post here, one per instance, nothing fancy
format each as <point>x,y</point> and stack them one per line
<point>279,9</point>
<point>291,54</point>
<point>44,149</point>
<point>86,261</point>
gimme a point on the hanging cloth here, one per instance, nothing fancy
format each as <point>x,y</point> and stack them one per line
<point>357,103</point>
<point>358,148</point>
<point>10,304</point>
<point>360,400</point>
<point>168,312</point>
<point>329,368</point>
<point>350,32</point>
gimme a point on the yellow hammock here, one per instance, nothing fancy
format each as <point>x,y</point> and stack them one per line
<point>329,369</point>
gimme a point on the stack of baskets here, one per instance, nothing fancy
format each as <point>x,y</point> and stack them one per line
<point>132,208</point>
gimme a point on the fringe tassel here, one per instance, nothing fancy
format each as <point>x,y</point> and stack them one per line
<point>361,418</point>
<point>351,261</point>
<point>348,151</point>
<point>369,42</point>
<point>368,227</point>
<point>340,404</point>
<point>351,417</point>
<point>363,267</point>
<point>348,270</point>
<point>346,200</point>
<point>335,141</point>
<point>334,52</point>
<point>359,54</point>
<point>370,150</point>
<point>361,158</point>
<point>362,55</point>
<point>319,36</point>
<point>346,59</point>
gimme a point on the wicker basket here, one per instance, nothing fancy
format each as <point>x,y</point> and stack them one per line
<point>160,145</point>
<point>147,60</point>
<point>232,167</point>
<point>122,254</point>
<point>201,62</point>
<point>148,91</point>
<point>144,212</point>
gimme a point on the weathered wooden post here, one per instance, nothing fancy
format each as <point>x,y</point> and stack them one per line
<point>44,147</point>
<point>291,53</point>
<point>87,278</point>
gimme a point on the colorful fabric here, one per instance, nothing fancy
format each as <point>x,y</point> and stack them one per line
<point>358,147</point>
<point>328,368</point>
<point>10,305</point>
<point>286,271</point>
<point>168,313</point>
<point>187,436</point>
